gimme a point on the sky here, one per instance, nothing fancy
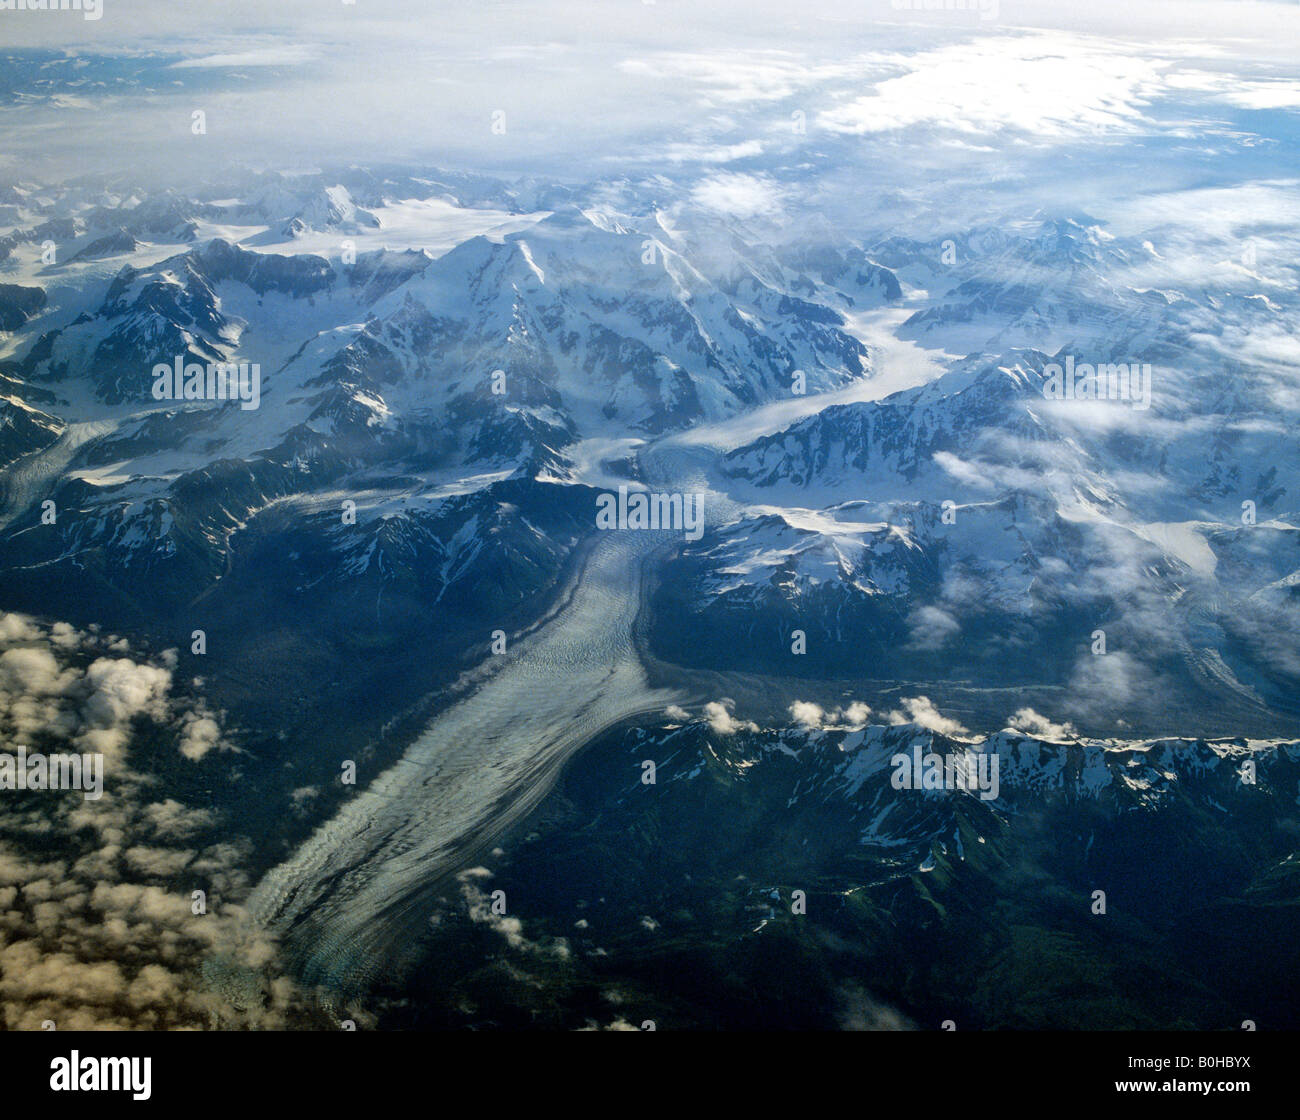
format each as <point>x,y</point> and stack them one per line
<point>631,87</point>
<point>863,116</point>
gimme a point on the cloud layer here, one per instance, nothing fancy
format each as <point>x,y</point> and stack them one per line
<point>98,921</point>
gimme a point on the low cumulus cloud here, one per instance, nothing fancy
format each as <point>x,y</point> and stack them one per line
<point>89,703</point>
<point>1039,726</point>
<point>814,716</point>
<point>97,921</point>
<point>921,711</point>
<point>720,720</point>
<point>479,905</point>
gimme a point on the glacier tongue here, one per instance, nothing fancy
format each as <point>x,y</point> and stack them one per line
<point>348,902</point>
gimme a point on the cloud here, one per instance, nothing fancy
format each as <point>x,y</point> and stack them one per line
<point>1039,726</point>
<point>616,1025</point>
<point>814,716</point>
<point>921,711</point>
<point>930,627</point>
<point>93,706</point>
<point>857,714</point>
<point>807,713</point>
<point>859,1010</point>
<point>584,85</point>
<point>287,54</point>
<point>1046,86</point>
<point>1102,685</point>
<point>97,926</point>
<point>736,78</point>
<point>738,195</point>
<point>120,690</point>
<point>720,720</point>
<point>480,908</point>
<point>201,734</point>
<point>712,153</point>
<point>17,628</point>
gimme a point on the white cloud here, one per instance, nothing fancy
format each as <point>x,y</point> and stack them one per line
<point>1039,726</point>
<point>738,195</point>
<point>96,925</point>
<point>857,714</point>
<point>741,77</point>
<point>931,627</point>
<point>201,734</point>
<point>287,54</point>
<point>807,713</point>
<point>814,716</point>
<point>1048,86</point>
<point>720,719</point>
<point>921,711</point>
<point>480,909</point>
<point>712,153</point>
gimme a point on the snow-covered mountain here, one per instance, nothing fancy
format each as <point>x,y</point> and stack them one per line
<point>970,514</point>
<point>411,378</point>
<point>851,774</point>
